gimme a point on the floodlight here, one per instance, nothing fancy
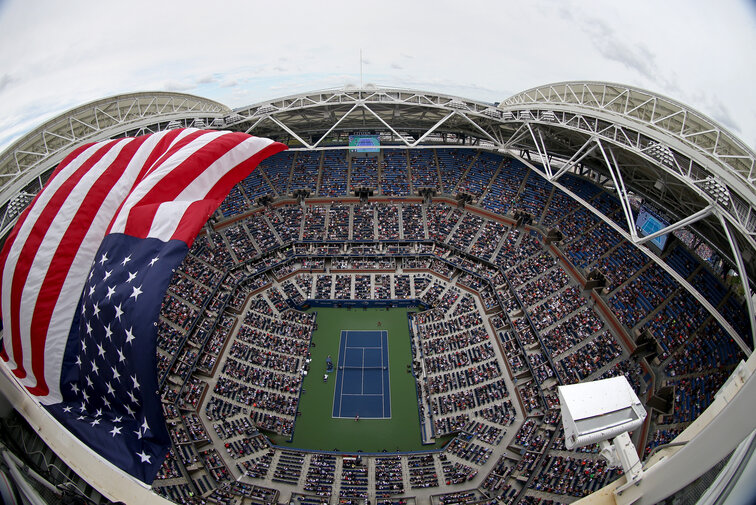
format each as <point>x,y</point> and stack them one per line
<point>601,410</point>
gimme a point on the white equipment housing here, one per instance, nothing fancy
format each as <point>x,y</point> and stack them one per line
<point>599,410</point>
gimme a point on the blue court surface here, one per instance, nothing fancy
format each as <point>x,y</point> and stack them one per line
<point>362,376</point>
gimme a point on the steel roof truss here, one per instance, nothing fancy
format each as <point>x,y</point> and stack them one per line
<point>479,128</point>
<point>433,128</point>
<point>619,187</point>
<point>590,143</point>
<point>289,131</point>
<point>515,138</point>
<point>742,273</point>
<point>624,93</point>
<point>259,120</point>
<point>97,119</point>
<point>706,211</point>
<point>86,125</point>
<point>541,150</point>
<point>379,118</point>
<point>128,111</point>
<point>335,125</point>
<point>656,259</point>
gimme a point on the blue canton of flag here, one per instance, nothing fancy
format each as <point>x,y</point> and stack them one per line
<point>109,383</point>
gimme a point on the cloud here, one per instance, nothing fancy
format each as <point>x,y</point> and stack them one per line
<point>576,40</point>
<point>722,114</point>
<point>716,109</point>
<point>5,81</point>
<point>177,86</point>
<point>635,57</point>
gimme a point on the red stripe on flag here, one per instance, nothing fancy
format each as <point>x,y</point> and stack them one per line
<point>31,246</point>
<point>22,218</point>
<point>163,149</point>
<point>68,159</point>
<point>172,184</point>
<point>160,152</point>
<point>196,215</point>
<point>64,257</point>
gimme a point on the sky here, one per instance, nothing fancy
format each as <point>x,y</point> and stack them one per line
<point>57,55</point>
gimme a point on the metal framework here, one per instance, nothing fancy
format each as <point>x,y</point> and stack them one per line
<point>636,143</point>
<point>28,161</point>
<point>647,141</point>
<point>633,142</point>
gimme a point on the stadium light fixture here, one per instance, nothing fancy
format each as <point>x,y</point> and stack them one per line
<point>601,411</point>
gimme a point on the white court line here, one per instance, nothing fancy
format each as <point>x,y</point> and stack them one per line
<point>341,393</point>
<point>362,374</point>
<point>388,368</point>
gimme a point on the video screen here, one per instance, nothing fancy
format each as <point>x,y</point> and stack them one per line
<point>364,143</point>
<point>648,223</point>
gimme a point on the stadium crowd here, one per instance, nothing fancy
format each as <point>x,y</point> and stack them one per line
<point>498,303</point>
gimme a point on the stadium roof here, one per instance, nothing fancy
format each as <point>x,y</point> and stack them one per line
<point>634,142</point>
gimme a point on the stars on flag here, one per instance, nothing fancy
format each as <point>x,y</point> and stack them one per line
<point>107,395</point>
<point>109,304</point>
<point>136,291</point>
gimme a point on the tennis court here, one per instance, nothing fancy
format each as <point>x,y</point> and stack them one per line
<point>362,376</point>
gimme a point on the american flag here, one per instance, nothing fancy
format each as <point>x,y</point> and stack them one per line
<point>85,270</point>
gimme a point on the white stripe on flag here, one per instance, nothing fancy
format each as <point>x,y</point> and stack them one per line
<point>169,214</point>
<point>63,313</point>
<point>31,288</point>
<point>155,177</point>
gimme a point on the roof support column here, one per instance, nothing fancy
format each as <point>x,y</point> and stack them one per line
<point>481,130</point>
<point>573,161</point>
<point>515,137</point>
<point>433,128</point>
<point>289,131</point>
<point>541,148</point>
<point>743,275</point>
<point>379,118</point>
<point>706,211</point>
<point>335,125</point>
<point>619,185</point>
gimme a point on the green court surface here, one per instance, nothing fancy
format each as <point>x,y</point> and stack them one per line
<point>316,429</point>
